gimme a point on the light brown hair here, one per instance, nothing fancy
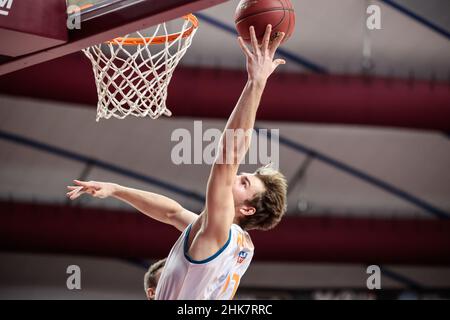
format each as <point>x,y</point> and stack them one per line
<point>271,204</point>
<point>150,275</point>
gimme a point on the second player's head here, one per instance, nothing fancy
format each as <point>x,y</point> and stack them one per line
<point>260,199</point>
<point>151,278</point>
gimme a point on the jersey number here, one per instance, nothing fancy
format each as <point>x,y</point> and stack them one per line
<point>235,279</point>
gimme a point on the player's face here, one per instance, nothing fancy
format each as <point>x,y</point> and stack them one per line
<point>245,187</point>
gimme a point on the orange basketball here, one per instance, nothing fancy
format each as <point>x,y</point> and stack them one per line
<point>259,13</point>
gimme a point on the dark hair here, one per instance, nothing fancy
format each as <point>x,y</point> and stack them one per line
<point>150,275</point>
<point>270,205</point>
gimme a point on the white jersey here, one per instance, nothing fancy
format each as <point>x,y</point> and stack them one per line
<point>215,278</point>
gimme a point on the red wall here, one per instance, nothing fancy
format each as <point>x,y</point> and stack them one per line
<point>210,93</point>
<point>73,230</point>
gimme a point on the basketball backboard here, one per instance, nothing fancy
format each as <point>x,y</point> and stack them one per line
<point>46,36</point>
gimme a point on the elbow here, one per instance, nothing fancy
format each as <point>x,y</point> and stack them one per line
<point>174,212</point>
<point>233,146</point>
<point>227,155</point>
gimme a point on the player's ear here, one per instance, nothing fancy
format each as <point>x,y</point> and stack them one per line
<point>150,293</point>
<point>247,210</point>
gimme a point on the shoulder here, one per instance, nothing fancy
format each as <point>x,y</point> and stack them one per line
<point>242,237</point>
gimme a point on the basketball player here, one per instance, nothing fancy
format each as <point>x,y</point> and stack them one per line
<point>215,249</point>
<point>151,278</point>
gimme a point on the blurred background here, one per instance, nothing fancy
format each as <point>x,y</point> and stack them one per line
<point>364,123</point>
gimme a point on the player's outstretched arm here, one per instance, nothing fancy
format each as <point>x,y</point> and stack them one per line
<point>236,137</point>
<point>151,204</point>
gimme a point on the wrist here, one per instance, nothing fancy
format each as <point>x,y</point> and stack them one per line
<point>115,189</point>
<point>257,83</point>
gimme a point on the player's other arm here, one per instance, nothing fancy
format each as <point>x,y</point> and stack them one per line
<point>155,206</point>
<point>236,138</point>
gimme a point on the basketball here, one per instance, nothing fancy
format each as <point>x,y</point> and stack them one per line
<point>279,13</point>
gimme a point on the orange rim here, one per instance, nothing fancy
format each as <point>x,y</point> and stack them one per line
<point>78,9</point>
<point>159,39</point>
<point>86,6</point>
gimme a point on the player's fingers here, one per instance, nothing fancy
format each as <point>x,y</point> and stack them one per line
<point>72,191</point>
<point>72,194</point>
<point>266,40</point>
<point>78,193</point>
<point>277,62</point>
<point>255,44</point>
<point>81,183</point>
<point>75,195</point>
<point>276,43</point>
<point>244,47</point>
<point>77,189</point>
<point>74,187</point>
<point>90,185</point>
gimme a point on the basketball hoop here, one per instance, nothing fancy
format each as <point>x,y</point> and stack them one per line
<point>133,80</point>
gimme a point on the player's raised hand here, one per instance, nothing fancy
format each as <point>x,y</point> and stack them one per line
<point>94,188</point>
<point>260,59</point>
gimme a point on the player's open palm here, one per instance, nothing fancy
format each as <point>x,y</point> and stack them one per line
<point>260,59</point>
<point>94,188</point>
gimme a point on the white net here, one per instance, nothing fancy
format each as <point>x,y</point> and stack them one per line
<point>133,79</point>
